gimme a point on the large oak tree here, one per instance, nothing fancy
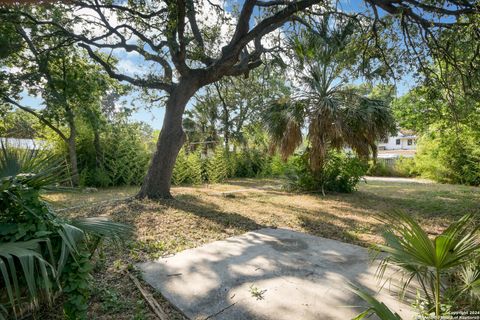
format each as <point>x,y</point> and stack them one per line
<point>187,55</point>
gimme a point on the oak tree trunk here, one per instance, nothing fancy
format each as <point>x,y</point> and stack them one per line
<point>72,152</point>
<point>98,149</point>
<point>226,128</point>
<point>72,147</point>
<point>157,182</point>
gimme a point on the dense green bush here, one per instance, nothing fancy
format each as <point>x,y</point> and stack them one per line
<point>341,173</point>
<point>189,169</point>
<point>250,163</point>
<point>217,166</point>
<point>401,167</point>
<point>406,167</point>
<point>193,168</point>
<point>122,158</point>
<point>450,157</point>
<point>126,156</point>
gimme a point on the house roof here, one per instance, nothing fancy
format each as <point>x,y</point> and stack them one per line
<point>407,133</point>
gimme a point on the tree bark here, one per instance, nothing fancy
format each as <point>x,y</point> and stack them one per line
<point>226,129</point>
<point>98,149</point>
<point>72,152</point>
<point>72,147</point>
<point>157,182</point>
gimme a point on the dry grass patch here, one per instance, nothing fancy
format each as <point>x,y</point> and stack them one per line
<point>199,215</point>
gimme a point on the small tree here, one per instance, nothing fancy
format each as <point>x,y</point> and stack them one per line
<point>217,166</point>
<point>181,171</point>
<point>195,165</point>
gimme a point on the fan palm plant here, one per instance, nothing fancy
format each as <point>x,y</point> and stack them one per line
<point>470,277</point>
<point>36,244</point>
<point>335,114</point>
<point>427,260</point>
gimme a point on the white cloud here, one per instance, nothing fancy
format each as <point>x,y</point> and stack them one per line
<point>130,67</point>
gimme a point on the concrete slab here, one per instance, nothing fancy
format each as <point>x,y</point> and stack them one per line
<point>269,274</point>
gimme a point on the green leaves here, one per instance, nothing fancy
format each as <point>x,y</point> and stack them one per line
<point>188,168</point>
<point>470,276</point>
<point>418,256</point>
<point>408,243</point>
<point>38,250</point>
<point>335,113</point>
<point>24,265</point>
<point>217,166</point>
<point>102,227</point>
<point>39,169</point>
<point>375,307</point>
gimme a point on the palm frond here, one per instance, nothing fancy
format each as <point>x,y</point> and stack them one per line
<point>34,271</point>
<point>283,121</point>
<point>36,168</point>
<point>470,276</point>
<point>410,248</point>
<point>103,227</point>
<point>375,306</point>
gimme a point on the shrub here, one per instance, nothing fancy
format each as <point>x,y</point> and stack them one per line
<point>449,157</point>
<point>126,156</point>
<point>277,167</point>
<point>341,173</point>
<point>181,170</point>
<point>380,169</point>
<point>405,167</point>
<point>249,163</point>
<point>217,166</point>
<point>123,159</point>
<point>40,253</point>
<point>195,167</point>
<point>188,169</point>
<point>401,167</point>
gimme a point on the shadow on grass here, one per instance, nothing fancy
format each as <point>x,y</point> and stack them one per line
<point>207,210</point>
<point>255,183</point>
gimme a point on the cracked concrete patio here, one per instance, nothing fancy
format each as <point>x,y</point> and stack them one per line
<point>269,274</point>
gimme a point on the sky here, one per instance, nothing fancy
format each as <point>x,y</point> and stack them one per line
<point>133,63</point>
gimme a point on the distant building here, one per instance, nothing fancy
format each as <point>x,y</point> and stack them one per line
<point>403,144</point>
<point>29,144</point>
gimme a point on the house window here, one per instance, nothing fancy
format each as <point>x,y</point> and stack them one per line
<point>385,140</point>
<point>397,141</point>
<point>409,142</point>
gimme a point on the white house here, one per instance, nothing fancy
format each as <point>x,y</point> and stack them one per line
<point>404,140</point>
<point>403,144</point>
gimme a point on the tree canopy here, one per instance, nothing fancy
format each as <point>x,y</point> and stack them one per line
<point>189,44</point>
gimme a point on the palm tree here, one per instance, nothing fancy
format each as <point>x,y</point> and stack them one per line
<point>200,125</point>
<point>334,114</point>
<point>36,244</point>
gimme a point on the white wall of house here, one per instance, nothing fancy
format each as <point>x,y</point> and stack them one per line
<point>398,142</point>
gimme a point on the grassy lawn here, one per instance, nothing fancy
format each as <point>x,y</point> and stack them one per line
<point>207,213</point>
